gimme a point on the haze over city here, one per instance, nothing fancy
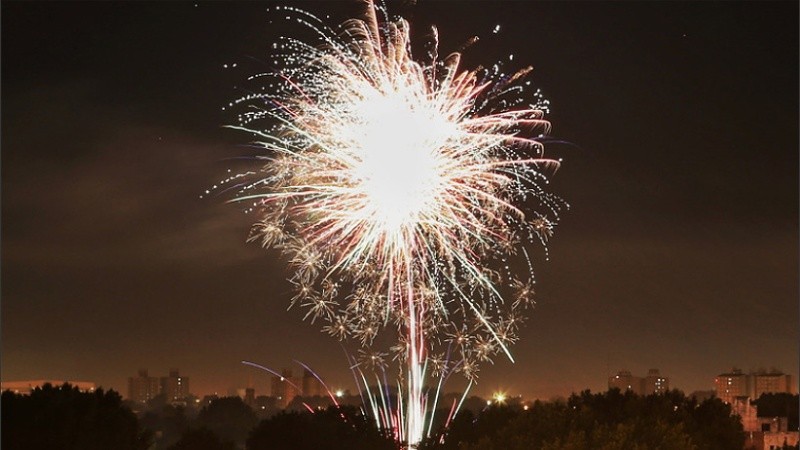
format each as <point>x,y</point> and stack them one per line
<point>679,251</point>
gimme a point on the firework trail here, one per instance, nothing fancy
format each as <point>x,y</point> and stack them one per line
<point>405,195</point>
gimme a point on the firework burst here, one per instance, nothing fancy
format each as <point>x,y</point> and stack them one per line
<point>404,194</point>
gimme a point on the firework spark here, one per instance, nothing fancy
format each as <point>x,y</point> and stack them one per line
<point>397,189</point>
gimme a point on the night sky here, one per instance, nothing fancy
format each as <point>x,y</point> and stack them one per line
<point>680,251</point>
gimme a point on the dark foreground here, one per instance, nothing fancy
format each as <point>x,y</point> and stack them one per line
<point>56,418</point>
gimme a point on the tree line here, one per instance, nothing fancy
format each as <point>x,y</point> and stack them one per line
<point>63,418</point>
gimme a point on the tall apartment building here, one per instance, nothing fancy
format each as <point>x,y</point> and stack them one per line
<point>729,386</point>
<point>285,388</point>
<point>312,387</point>
<point>143,387</point>
<point>250,397</point>
<point>771,382</point>
<point>175,386</point>
<point>625,381</point>
<point>653,383</point>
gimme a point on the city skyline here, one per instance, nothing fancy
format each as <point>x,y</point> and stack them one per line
<point>679,251</point>
<point>283,385</point>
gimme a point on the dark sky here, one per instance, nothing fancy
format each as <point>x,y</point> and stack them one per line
<point>680,251</point>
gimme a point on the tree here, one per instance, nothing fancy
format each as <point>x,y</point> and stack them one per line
<point>342,428</point>
<point>229,418</point>
<point>167,423</point>
<point>63,418</point>
<point>158,402</point>
<point>201,439</point>
<point>780,405</point>
<point>712,426</point>
<point>607,421</point>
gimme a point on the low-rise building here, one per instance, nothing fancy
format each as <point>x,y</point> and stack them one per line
<point>748,413</point>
